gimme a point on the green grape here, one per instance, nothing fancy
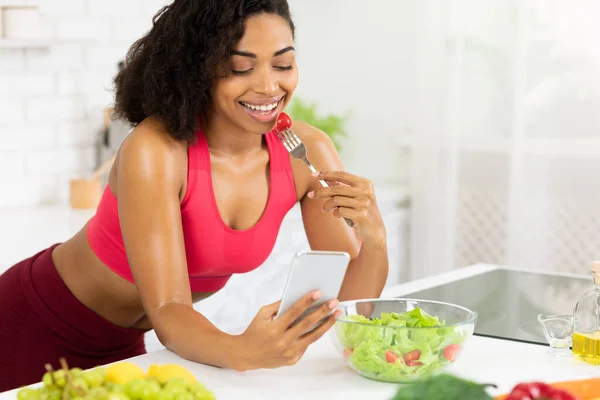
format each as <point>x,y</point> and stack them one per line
<point>97,393</point>
<point>116,388</point>
<point>118,396</point>
<point>201,392</point>
<point>165,394</point>
<point>52,394</point>
<point>134,389</point>
<point>176,381</point>
<point>185,396</point>
<point>76,371</point>
<point>47,380</point>
<point>78,387</point>
<point>28,394</point>
<point>150,391</point>
<point>176,385</point>
<point>94,377</point>
<point>60,378</point>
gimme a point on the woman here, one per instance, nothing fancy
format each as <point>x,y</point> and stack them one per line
<point>197,192</point>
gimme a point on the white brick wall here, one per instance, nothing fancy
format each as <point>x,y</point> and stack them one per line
<point>52,100</point>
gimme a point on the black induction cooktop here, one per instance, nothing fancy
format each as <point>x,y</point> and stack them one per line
<point>509,301</point>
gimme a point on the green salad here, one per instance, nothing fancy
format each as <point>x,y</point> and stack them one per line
<point>399,355</point>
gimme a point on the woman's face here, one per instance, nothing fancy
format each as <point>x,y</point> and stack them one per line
<point>262,75</point>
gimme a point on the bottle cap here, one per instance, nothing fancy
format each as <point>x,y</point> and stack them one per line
<point>596,266</point>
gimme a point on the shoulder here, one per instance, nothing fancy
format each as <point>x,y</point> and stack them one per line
<point>150,154</point>
<point>151,138</point>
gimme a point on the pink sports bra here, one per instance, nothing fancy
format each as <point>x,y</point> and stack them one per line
<point>214,251</point>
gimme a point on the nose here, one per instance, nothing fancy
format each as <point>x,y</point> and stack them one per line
<point>267,82</point>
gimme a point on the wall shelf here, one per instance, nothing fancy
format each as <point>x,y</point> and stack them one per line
<point>24,44</point>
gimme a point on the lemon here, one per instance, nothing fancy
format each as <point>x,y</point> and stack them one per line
<point>124,372</point>
<point>167,371</point>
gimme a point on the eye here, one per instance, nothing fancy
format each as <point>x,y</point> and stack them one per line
<point>244,72</point>
<point>286,68</point>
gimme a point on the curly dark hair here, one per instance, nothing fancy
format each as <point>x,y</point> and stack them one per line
<point>168,73</point>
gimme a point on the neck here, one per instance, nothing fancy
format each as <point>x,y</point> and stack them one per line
<point>226,138</point>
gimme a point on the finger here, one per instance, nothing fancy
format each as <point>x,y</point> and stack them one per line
<point>269,311</point>
<point>317,333</point>
<point>298,308</point>
<point>343,201</point>
<point>352,214</point>
<point>338,190</point>
<point>311,319</point>
<point>343,177</point>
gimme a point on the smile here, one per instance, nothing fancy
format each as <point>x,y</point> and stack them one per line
<point>265,108</point>
<point>264,111</point>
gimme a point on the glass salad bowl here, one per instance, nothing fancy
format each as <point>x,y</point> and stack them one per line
<point>401,340</point>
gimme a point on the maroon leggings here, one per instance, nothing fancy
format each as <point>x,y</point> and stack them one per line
<point>41,321</point>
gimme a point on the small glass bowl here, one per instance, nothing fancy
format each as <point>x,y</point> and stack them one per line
<point>558,330</point>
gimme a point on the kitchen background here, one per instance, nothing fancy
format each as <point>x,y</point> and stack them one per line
<point>477,120</point>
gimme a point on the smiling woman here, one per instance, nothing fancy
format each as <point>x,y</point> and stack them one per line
<point>197,193</point>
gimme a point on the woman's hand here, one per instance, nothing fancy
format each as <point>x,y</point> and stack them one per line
<point>352,197</point>
<point>272,343</point>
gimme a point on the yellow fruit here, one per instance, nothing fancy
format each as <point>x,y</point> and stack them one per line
<point>124,372</point>
<point>167,371</point>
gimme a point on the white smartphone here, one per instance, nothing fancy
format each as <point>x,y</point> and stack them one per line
<point>311,270</point>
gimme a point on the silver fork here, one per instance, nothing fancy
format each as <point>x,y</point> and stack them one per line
<point>297,149</point>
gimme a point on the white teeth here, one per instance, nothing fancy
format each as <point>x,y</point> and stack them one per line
<point>265,107</point>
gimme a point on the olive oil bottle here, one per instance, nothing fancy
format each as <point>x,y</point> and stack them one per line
<point>586,322</point>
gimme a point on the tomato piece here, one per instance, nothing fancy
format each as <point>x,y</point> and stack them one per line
<point>283,121</point>
<point>412,356</point>
<point>452,352</point>
<point>414,363</point>
<point>390,356</point>
<point>348,352</point>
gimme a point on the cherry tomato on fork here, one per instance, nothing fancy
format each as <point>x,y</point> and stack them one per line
<point>283,121</point>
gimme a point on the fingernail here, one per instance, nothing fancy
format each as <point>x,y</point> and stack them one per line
<point>311,194</point>
<point>316,173</point>
<point>316,295</point>
<point>337,314</point>
<point>333,304</point>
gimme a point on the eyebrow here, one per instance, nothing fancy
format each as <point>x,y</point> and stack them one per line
<point>252,55</point>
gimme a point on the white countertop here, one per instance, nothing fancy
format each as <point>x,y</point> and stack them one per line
<point>321,373</point>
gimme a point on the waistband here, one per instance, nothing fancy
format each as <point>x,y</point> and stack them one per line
<point>54,303</point>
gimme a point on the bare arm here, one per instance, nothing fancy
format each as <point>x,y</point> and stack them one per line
<point>149,185</point>
<point>349,196</point>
